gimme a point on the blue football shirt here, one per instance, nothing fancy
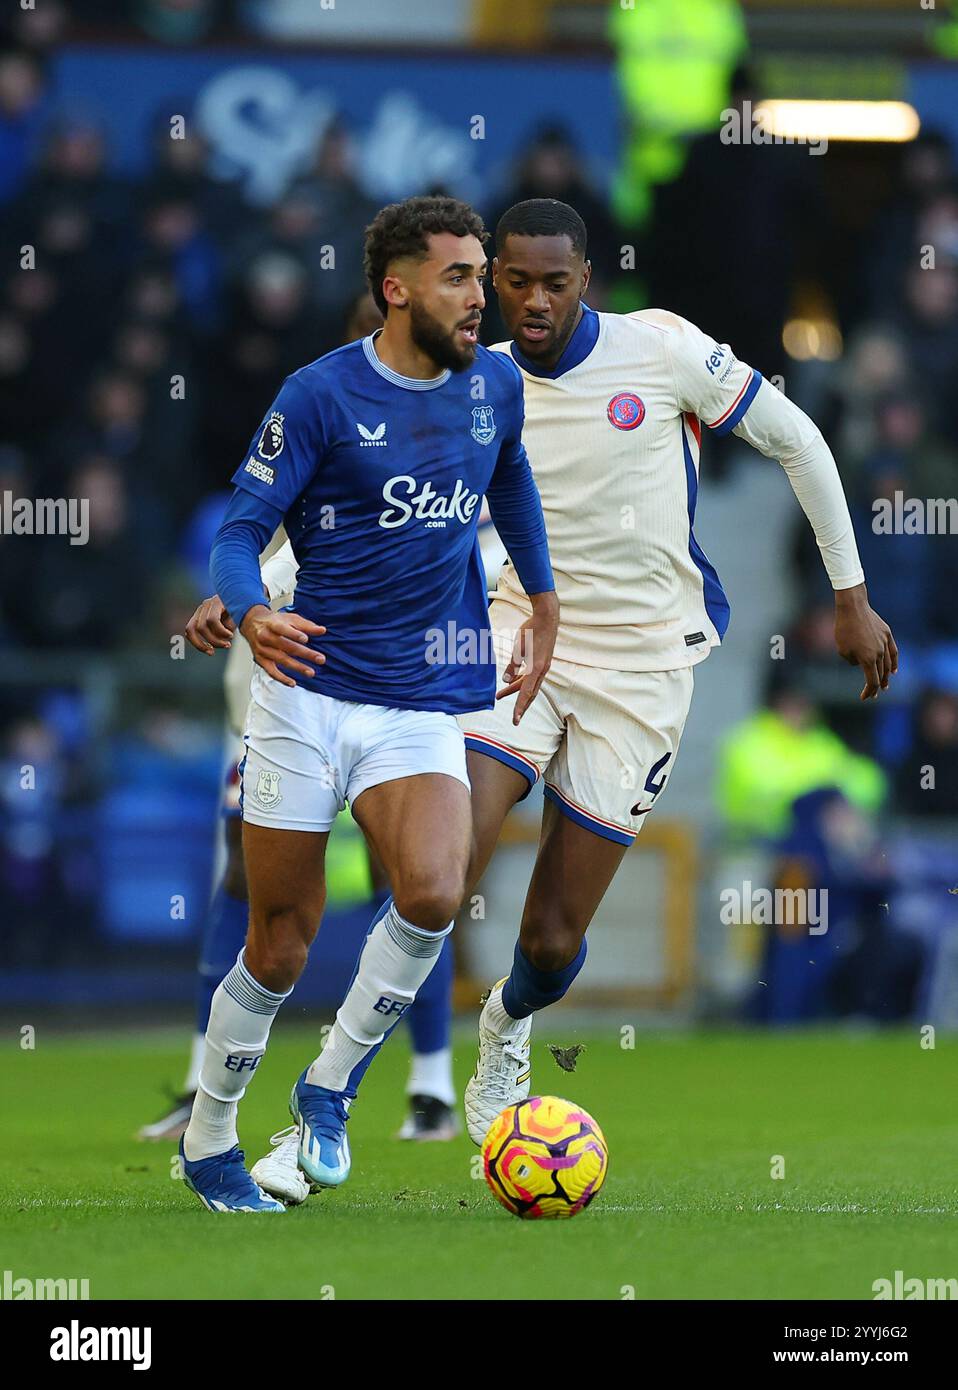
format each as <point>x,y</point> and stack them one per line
<point>379,480</point>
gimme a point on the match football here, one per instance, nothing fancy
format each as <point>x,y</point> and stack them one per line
<point>544,1157</point>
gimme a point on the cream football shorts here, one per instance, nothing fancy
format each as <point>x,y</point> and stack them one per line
<point>307,755</point>
<point>603,741</point>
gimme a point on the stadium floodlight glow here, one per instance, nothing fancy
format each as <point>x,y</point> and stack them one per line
<point>811,121</point>
<point>808,340</point>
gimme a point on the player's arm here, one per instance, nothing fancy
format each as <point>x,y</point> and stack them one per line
<point>730,396</point>
<point>279,465</point>
<point>279,572</point>
<point>277,640</point>
<point>212,627</point>
<point>516,511</point>
<point>779,429</point>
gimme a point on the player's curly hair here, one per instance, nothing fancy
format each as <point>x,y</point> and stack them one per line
<point>401,229</point>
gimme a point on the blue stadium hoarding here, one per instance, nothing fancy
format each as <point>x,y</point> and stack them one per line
<point>452,118</point>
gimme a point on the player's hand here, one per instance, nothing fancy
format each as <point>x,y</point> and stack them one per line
<point>864,639</point>
<point>210,626</point>
<point>531,653</point>
<point>280,639</point>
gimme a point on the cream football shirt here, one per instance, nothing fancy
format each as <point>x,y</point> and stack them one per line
<point>613,437</point>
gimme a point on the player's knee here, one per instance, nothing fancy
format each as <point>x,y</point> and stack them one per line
<point>431,903</point>
<point>278,945</point>
<point>276,965</point>
<point>550,943</point>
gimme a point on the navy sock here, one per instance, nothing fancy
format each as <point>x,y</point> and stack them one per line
<point>223,938</point>
<point>528,989</point>
<point>431,1011</point>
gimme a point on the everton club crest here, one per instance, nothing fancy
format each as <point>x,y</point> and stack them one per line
<point>267,791</point>
<point>483,424</point>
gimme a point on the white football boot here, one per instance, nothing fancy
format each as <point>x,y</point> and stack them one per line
<point>279,1173</point>
<point>503,1070</point>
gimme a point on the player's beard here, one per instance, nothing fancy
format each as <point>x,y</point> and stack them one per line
<point>437,342</point>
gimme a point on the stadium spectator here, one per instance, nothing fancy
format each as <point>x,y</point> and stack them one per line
<point>735,271</point>
<point>23,402</point>
<point>173,234</point>
<point>341,212</point>
<point>927,781</point>
<point>928,323</point>
<point>31,858</point>
<point>21,96</point>
<point>111,422</point>
<point>907,569</point>
<point>551,166</point>
<point>926,169</point>
<point>875,363</point>
<point>180,162</point>
<point>74,588</point>
<point>37,28</point>
<point>778,754</point>
<point>861,965</point>
<point>178,21</point>
<point>270,330</point>
<point>13,480</point>
<point>73,165</point>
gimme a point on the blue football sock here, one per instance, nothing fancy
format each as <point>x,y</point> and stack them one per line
<point>223,938</point>
<point>528,989</point>
<point>430,1013</point>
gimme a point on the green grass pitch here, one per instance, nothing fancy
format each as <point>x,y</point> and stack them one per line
<point>866,1125</point>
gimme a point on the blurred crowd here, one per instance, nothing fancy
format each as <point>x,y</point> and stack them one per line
<point>145,326</point>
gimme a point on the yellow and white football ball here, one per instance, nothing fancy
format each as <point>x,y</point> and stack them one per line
<point>545,1157</point>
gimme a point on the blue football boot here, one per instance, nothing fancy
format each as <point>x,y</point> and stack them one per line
<point>323,1146</point>
<point>223,1184</point>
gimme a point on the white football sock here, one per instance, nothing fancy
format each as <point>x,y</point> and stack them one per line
<point>396,958</point>
<point>240,1019</point>
<point>494,1014</point>
<point>431,1075</point>
<point>197,1048</point>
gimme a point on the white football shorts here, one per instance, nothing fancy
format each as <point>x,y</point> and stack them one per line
<point>307,755</point>
<point>604,741</point>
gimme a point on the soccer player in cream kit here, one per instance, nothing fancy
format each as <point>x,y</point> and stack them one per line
<point>615,406</point>
<point>376,458</point>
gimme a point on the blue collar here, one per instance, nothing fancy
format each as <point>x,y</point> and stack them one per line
<point>576,350</point>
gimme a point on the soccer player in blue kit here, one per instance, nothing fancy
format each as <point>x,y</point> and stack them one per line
<point>375,458</point>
